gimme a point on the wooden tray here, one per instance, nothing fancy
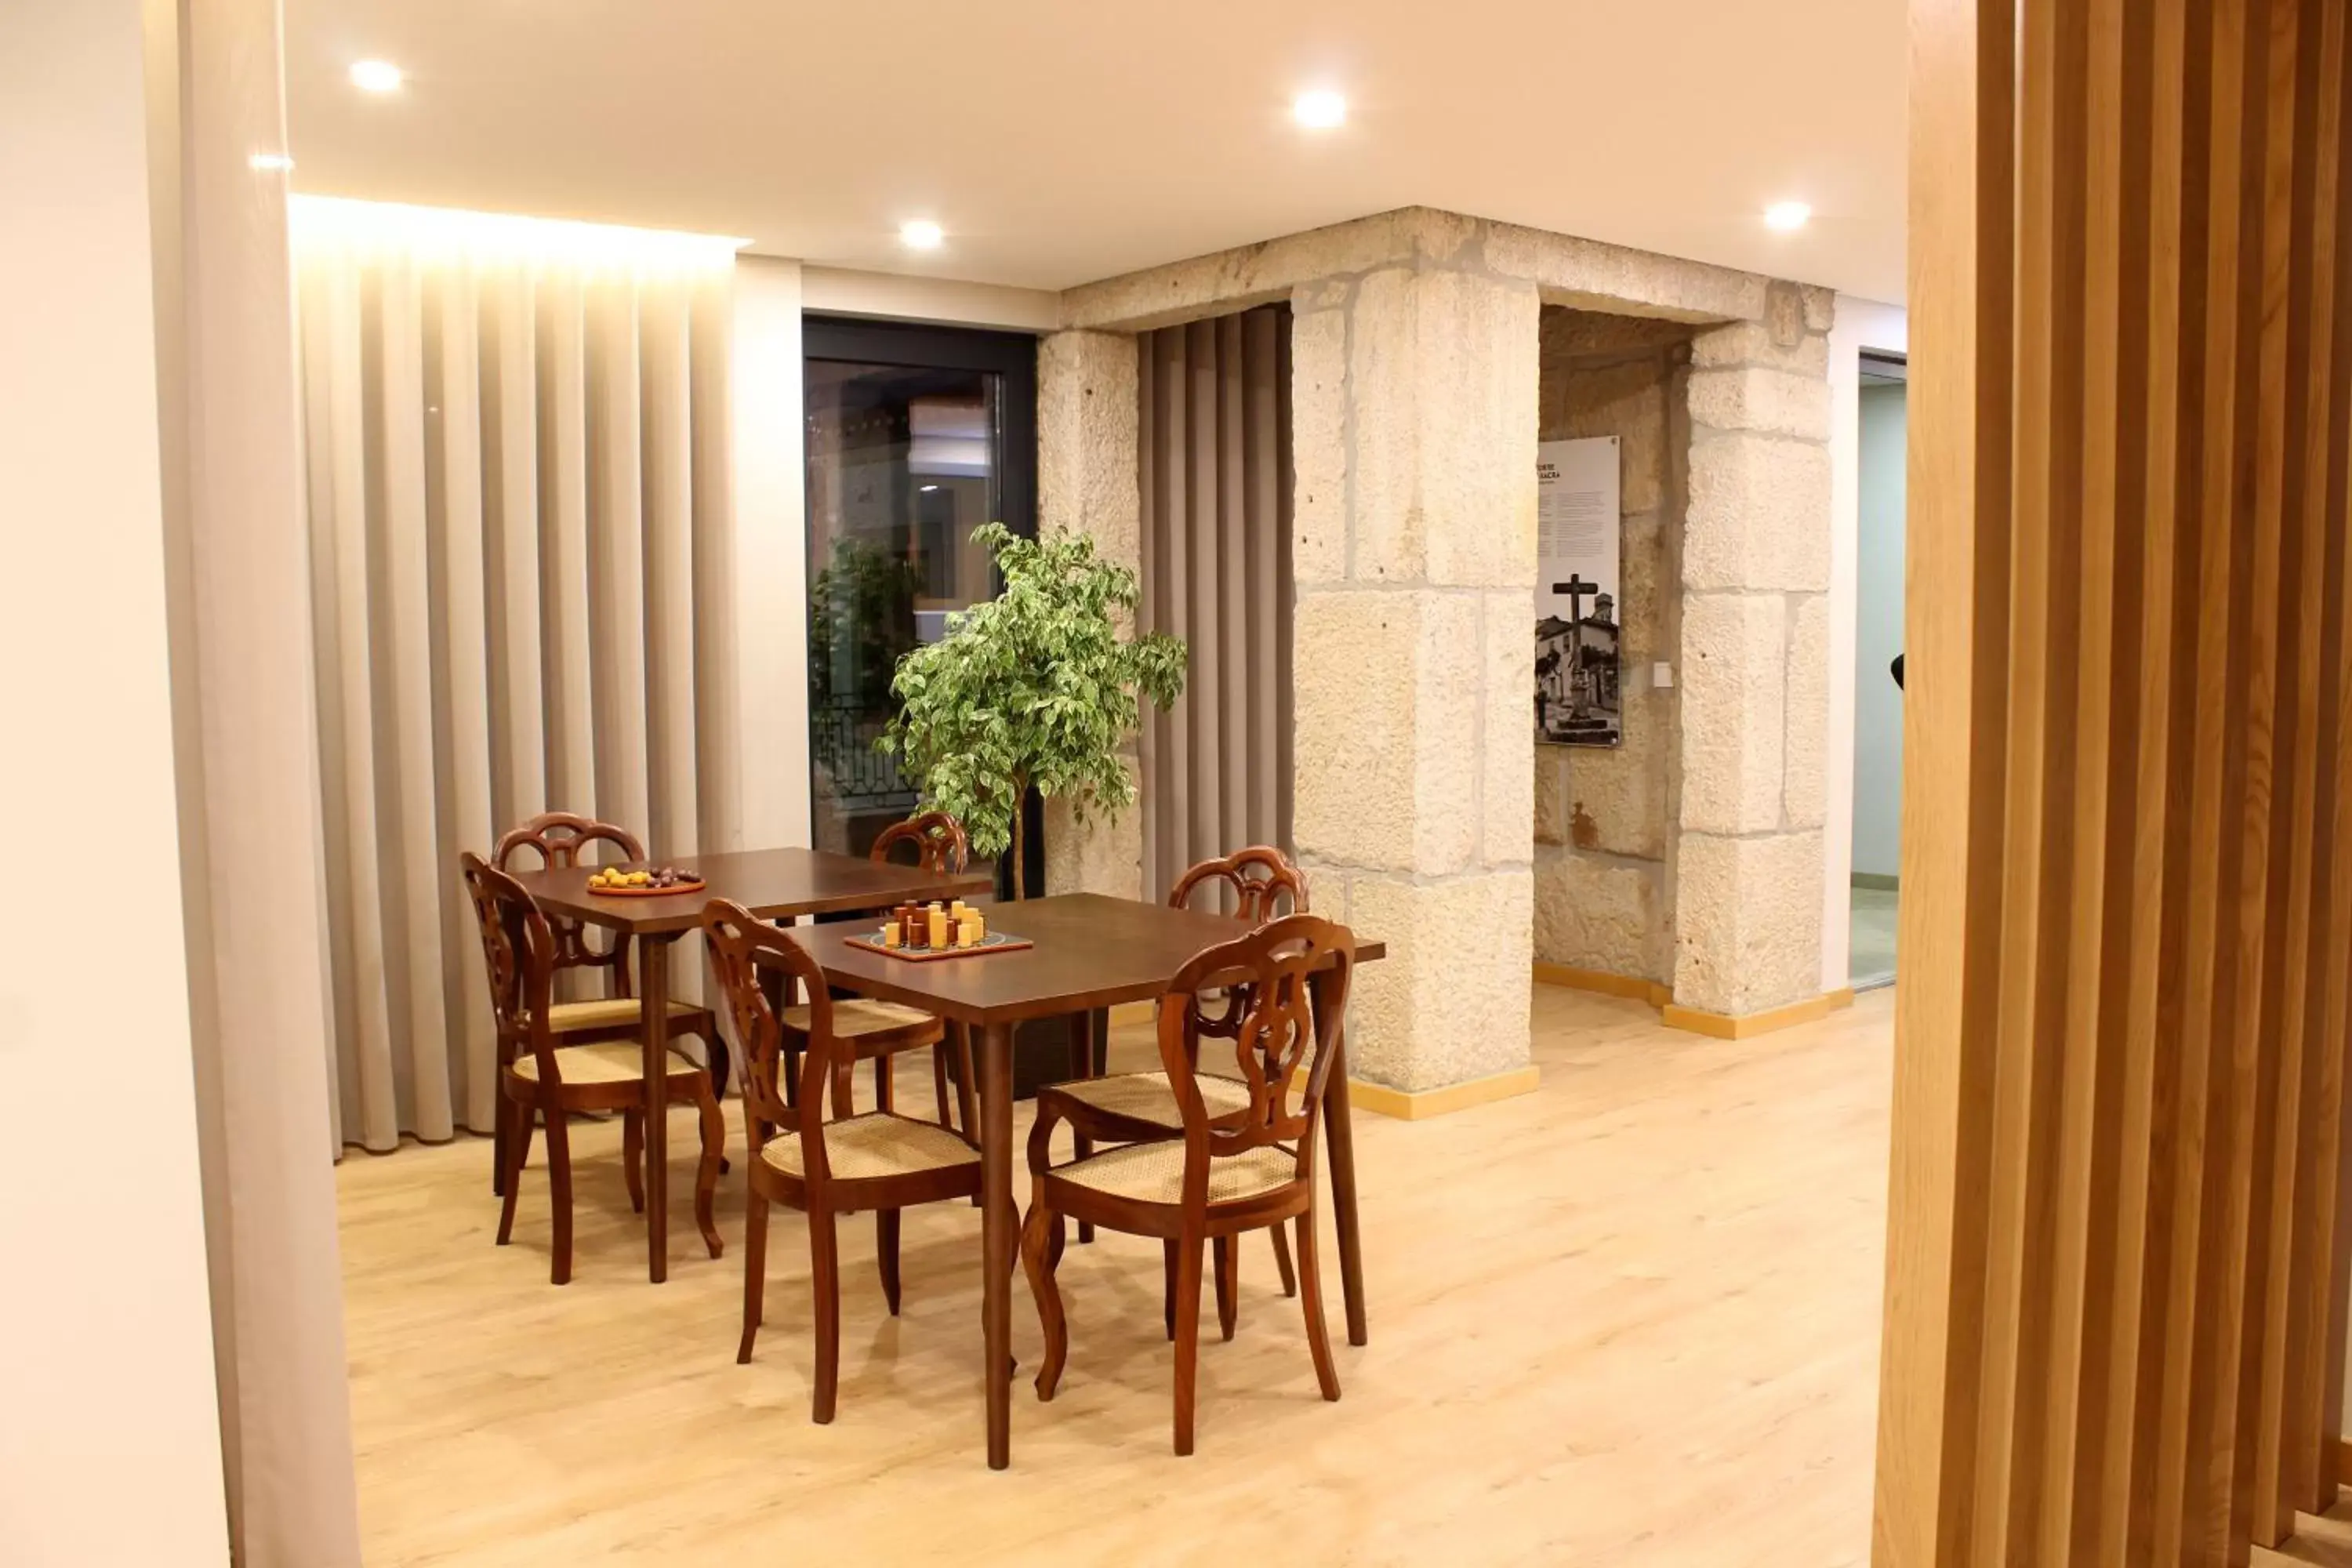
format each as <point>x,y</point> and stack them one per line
<point>994,941</point>
<point>670,891</point>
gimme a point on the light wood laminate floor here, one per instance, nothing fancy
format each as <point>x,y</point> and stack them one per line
<point>1632,1319</point>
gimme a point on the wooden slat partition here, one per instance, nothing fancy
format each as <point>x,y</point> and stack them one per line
<point>2117,1259</point>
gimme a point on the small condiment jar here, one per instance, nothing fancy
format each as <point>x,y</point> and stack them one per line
<point>939,927</point>
<point>890,934</point>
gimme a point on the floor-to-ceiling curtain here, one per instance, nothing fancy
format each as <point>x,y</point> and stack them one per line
<point>1215,474</point>
<point>517,448</point>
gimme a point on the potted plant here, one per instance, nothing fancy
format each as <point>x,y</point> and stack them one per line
<point>1034,688</point>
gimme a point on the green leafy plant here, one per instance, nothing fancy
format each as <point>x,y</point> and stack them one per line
<point>1034,687</point>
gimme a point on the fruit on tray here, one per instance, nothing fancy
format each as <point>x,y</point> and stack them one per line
<point>615,878</point>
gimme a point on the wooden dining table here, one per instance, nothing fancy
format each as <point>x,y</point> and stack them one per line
<point>1089,952</point>
<point>775,884</point>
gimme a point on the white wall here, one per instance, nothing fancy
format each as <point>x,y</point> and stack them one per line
<point>1861,324</point>
<point>1878,633</point>
<point>771,553</point>
<point>110,1436</point>
<point>840,291</point>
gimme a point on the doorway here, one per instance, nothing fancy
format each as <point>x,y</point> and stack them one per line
<point>1877,690</point>
<point>916,436</point>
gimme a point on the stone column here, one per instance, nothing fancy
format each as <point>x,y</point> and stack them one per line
<point>1755,661</point>
<point>1086,483</point>
<point>1413,403</point>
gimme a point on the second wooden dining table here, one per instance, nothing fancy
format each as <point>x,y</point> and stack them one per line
<point>1089,952</point>
<point>775,884</point>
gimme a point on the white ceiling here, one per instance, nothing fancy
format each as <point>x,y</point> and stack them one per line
<point>1059,142</point>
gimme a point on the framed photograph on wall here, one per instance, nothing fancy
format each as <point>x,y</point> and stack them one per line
<point>1579,544</point>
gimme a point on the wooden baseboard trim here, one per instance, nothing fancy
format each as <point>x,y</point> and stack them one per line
<point>1419,1105</point>
<point>1603,981</point>
<point>2343,1464</point>
<point>1745,1026</point>
<point>1131,1012</point>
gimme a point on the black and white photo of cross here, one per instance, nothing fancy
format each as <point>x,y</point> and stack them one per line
<point>1576,587</point>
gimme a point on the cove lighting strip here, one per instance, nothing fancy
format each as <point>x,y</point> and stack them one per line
<point>451,232</point>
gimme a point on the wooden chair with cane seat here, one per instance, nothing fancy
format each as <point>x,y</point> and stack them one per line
<point>879,1031</point>
<point>1140,1107</point>
<point>879,1160</point>
<point>541,1082</point>
<point>1248,1168</point>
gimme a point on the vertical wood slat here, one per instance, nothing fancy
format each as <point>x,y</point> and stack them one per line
<point>2114,1300</point>
<point>1213,469</point>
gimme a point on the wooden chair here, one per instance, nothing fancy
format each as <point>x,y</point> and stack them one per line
<point>539,1082</point>
<point>879,1031</point>
<point>879,1160</point>
<point>1138,1108</point>
<point>1248,1168</point>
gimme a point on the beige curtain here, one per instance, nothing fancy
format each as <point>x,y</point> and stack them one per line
<point>1215,473</point>
<point>517,457</point>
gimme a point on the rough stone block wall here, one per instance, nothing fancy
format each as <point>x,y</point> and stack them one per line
<point>1604,819</point>
<point>1414,429</point>
<point>1754,664</point>
<point>1088,416</point>
<point>1414,416</point>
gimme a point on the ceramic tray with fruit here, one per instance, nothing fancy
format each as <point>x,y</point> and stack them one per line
<point>642,882</point>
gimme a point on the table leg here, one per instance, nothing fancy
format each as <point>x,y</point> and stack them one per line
<point>1339,1139</point>
<point>999,1226</point>
<point>653,988</point>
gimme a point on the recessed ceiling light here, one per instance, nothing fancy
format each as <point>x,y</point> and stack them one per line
<point>1319,109</point>
<point>1787,215</point>
<point>376,76</point>
<point>920,234</point>
<point>277,161</point>
<point>929,489</point>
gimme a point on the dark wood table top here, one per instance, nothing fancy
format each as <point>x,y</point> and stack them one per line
<point>1090,951</point>
<point>774,883</point>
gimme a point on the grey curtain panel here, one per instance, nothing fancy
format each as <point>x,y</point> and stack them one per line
<point>516,468</point>
<point>1216,481</point>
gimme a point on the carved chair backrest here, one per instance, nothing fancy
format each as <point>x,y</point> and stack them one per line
<point>1283,1034</point>
<point>939,839</point>
<point>740,945</point>
<point>1262,880</point>
<point>560,838</point>
<point>518,951</point>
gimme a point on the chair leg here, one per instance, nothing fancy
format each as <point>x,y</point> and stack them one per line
<point>706,1175</point>
<point>1040,1251</point>
<point>1081,1145</point>
<point>558,1181</point>
<point>885,1253</point>
<point>1228,1256</point>
<point>714,1050</point>
<point>844,1090</point>
<point>825,1269</point>
<point>1168,1286</point>
<point>518,1119</point>
<point>1310,1294</point>
<point>792,1084</point>
<point>1282,1261</point>
<point>755,1271</point>
<point>1188,1336</point>
<point>886,1083</point>
<point>633,1156</point>
<point>501,1139</point>
<point>939,1084</point>
<point>966,1087</point>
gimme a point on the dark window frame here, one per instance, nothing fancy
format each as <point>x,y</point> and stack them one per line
<point>916,345</point>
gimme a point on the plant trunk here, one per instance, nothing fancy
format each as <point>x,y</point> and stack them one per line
<point>1020,824</point>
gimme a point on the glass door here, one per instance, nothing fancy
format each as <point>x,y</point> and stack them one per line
<point>916,436</point>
